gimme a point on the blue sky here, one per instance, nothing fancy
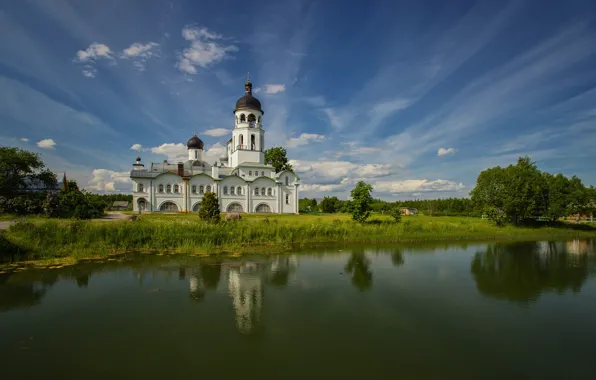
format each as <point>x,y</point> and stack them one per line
<point>414,97</point>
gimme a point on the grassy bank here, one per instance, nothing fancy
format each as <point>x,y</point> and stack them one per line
<point>255,234</point>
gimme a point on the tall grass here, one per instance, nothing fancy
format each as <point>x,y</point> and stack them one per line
<point>54,238</point>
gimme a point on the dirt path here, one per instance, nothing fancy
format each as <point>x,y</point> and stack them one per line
<point>4,225</point>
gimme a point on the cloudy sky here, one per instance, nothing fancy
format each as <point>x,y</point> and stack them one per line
<point>414,97</point>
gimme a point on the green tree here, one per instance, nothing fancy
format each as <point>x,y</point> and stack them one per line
<point>209,210</point>
<point>277,158</point>
<point>330,204</point>
<point>361,204</point>
<point>517,191</point>
<point>21,170</point>
<point>396,214</point>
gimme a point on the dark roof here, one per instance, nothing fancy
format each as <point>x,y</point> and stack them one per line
<point>195,143</point>
<point>248,101</point>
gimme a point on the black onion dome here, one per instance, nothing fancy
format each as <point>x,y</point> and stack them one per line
<point>195,143</point>
<point>248,101</point>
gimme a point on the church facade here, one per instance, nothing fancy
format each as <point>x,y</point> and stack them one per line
<point>240,179</point>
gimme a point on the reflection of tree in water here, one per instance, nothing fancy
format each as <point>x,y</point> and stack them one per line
<point>13,296</point>
<point>358,266</point>
<point>397,257</point>
<point>211,274</point>
<point>522,271</point>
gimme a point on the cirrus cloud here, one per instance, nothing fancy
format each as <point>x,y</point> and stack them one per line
<point>205,49</point>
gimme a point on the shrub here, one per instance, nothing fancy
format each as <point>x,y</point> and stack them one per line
<point>209,210</point>
<point>396,214</point>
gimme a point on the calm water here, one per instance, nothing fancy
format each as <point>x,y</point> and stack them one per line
<point>481,311</point>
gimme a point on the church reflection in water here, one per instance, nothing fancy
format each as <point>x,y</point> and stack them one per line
<point>246,281</point>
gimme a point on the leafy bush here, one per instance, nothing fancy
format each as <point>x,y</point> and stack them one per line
<point>209,210</point>
<point>396,214</point>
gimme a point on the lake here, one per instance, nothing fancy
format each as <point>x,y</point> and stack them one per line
<point>465,311</point>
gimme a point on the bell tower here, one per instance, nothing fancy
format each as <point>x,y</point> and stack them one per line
<point>248,136</point>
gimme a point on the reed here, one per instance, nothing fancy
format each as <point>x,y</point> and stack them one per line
<point>79,239</point>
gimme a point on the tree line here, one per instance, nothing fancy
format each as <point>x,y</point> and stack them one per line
<point>432,207</point>
<point>515,194</point>
<point>27,187</point>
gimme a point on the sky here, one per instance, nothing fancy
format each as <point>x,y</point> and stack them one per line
<point>413,97</point>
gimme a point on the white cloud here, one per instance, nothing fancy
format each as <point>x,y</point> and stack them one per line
<point>304,139</point>
<point>179,152</point>
<point>273,88</point>
<point>137,147</point>
<point>204,50</point>
<point>139,50</point>
<point>192,33</point>
<point>366,150</point>
<point>217,132</point>
<point>174,152</point>
<point>417,186</point>
<point>214,152</point>
<point>89,73</point>
<point>342,173</point>
<point>24,139</point>
<point>93,52</point>
<point>90,55</point>
<point>333,117</point>
<point>104,180</point>
<point>46,144</point>
<point>445,151</point>
<point>140,53</point>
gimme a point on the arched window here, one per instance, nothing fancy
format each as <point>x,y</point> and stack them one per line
<point>287,199</point>
<point>161,189</point>
<point>176,188</point>
<point>253,145</point>
<point>169,189</point>
<point>269,192</point>
<point>201,189</point>
<point>262,174</point>
<point>242,118</point>
<point>208,188</point>
<point>194,189</point>
<point>259,119</point>
<point>140,187</point>
<point>256,191</point>
<point>250,172</point>
<point>232,190</point>
<point>239,190</point>
<point>225,190</point>
<point>241,141</point>
<point>287,180</point>
<point>168,207</point>
<point>263,191</point>
<point>251,118</point>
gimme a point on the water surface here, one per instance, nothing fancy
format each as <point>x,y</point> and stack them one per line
<point>477,311</point>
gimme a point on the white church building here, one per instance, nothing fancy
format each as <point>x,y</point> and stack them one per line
<point>241,179</point>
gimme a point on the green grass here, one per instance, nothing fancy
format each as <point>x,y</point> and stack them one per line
<point>185,233</point>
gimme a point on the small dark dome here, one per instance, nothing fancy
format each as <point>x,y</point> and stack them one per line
<point>195,143</point>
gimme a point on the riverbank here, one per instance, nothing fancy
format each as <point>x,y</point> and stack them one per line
<point>178,233</point>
